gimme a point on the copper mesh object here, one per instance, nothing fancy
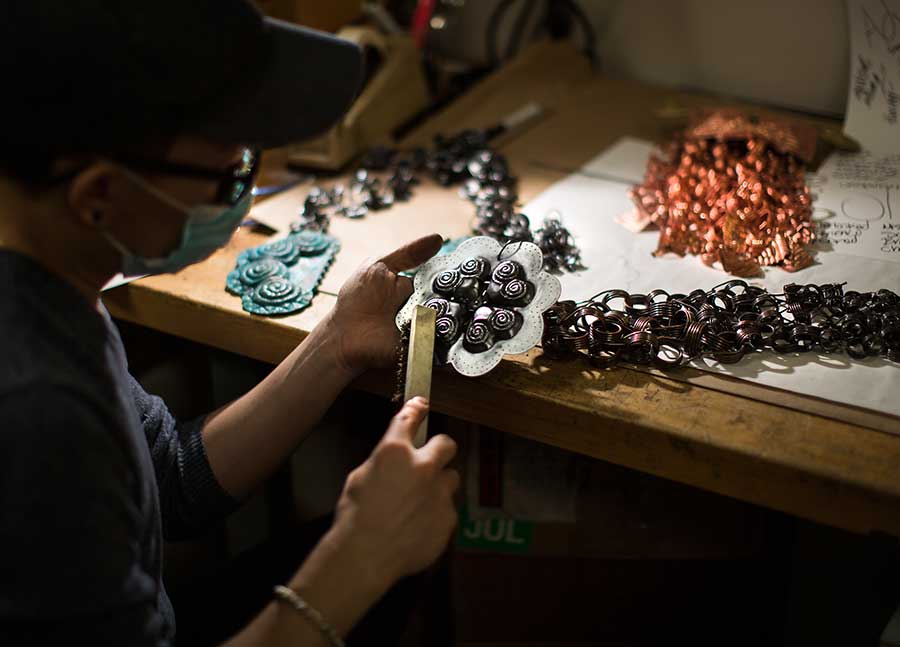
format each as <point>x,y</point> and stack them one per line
<point>731,189</point>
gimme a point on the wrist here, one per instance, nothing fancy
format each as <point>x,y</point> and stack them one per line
<point>333,342</point>
<point>340,582</point>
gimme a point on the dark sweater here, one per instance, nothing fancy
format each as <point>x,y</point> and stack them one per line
<point>94,473</point>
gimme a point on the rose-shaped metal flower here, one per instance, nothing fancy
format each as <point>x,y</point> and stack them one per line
<point>249,275</point>
<point>547,289</point>
<point>283,249</point>
<point>276,295</point>
<point>311,243</point>
<point>477,268</point>
<point>504,323</point>
<point>447,281</point>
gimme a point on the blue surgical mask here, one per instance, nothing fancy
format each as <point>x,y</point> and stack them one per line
<point>207,228</point>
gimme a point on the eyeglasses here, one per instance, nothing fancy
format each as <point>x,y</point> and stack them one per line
<point>234,182</point>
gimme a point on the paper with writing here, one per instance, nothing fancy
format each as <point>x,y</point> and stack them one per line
<point>873,103</point>
<point>857,205</point>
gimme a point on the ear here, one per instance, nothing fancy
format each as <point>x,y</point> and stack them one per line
<point>89,195</point>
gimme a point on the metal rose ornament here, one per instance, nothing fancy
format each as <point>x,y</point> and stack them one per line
<point>281,277</point>
<point>490,299</point>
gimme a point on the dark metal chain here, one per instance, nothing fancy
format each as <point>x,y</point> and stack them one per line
<point>465,160</point>
<point>723,324</point>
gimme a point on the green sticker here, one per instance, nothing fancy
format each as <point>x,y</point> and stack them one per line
<point>495,532</point>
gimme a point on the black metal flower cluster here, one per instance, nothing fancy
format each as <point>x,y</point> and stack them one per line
<point>479,303</point>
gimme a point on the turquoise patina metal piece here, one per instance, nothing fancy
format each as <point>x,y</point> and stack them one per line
<point>283,249</point>
<point>281,277</point>
<point>276,295</point>
<point>248,275</point>
<point>311,243</point>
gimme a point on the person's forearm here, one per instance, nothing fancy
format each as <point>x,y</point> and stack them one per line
<point>336,584</point>
<point>248,439</point>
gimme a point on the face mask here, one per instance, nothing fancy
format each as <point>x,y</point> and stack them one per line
<point>207,228</point>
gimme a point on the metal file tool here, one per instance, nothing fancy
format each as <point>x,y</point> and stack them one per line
<point>419,362</point>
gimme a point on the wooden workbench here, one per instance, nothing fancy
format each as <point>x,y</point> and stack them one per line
<point>827,463</point>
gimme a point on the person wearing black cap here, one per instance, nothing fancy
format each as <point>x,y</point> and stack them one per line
<point>128,134</point>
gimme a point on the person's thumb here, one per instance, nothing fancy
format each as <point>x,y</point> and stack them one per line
<point>404,425</point>
<point>413,254</point>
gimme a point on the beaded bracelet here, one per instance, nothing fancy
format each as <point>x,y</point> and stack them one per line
<point>289,596</point>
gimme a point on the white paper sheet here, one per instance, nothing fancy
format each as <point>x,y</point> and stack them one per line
<point>873,103</point>
<point>857,205</point>
<point>618,258</point>
<point>625,160</point>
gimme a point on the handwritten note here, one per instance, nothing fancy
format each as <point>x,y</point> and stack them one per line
<point>857,205</point>
<point>873,105</point>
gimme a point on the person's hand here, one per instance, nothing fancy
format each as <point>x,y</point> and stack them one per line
<point>363,318</point>
<point>396,513</point>
<point>394,518</point>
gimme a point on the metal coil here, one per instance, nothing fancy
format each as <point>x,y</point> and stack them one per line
<point>723,324</point>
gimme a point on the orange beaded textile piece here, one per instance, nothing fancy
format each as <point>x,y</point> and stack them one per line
<point>733,190</point>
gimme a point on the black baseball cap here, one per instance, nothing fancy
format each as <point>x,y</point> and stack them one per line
<point>84,75</point>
